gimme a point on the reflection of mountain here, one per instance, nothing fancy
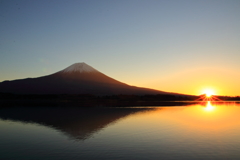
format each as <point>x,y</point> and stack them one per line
<point>78,123</point>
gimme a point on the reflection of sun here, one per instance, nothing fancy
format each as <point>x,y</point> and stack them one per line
<point>209,107</point>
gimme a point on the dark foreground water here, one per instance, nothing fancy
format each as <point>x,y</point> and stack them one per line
<point>203,131</point>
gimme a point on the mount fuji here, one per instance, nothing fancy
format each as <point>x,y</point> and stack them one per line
<point>78,78</point>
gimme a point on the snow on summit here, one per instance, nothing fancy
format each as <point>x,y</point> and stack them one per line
<point>79,67</point>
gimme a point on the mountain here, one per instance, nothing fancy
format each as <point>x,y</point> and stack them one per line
<point>78,78</point>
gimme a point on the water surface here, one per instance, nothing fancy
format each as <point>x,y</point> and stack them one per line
<point>201,131</point>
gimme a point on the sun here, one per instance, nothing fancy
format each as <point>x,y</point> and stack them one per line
<point>208,92</point>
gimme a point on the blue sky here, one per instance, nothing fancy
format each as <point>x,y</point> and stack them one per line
<point>144,43</point>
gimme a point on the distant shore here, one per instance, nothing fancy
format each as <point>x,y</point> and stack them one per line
<point>64,100</point>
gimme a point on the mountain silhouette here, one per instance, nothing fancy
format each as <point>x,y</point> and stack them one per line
<point>78,78</point>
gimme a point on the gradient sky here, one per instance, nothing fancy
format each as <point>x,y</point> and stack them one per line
<point>177,46</point>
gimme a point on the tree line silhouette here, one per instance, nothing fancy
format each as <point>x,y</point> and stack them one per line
<point>9,99</point>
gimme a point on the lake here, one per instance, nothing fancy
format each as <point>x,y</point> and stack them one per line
<point>207,130</point>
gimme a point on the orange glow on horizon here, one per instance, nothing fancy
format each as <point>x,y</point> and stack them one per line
<point>195,80</point>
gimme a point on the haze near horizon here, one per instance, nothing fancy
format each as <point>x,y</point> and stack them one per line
<point>174,46</point>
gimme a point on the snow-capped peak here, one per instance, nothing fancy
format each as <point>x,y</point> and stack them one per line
<point>79,67</point>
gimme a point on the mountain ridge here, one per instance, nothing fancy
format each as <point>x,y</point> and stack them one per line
<point>78,78</point>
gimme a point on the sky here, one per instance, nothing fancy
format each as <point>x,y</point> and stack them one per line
<point>176,46</point>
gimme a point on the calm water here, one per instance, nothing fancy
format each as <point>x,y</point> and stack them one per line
<point>202,131</point>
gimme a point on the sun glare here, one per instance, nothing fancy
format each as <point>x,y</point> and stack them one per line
<point>208,95</point>
<point>208,92</point>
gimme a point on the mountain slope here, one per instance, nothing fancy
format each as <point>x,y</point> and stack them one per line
<point>78,78</point>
